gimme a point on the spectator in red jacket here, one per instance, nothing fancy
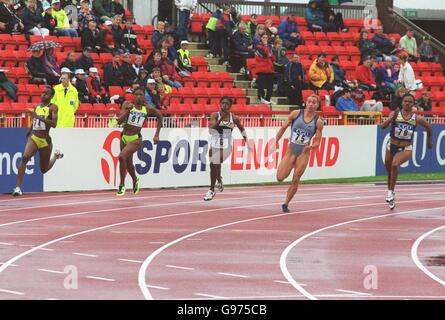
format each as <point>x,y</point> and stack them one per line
<point>168,70</point>
<point>265,70</point>
<point>365,76</point>
<point>97,91</point>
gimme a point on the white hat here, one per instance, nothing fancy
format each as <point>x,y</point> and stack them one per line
<point>55,1</point>
<point>46,6</point>
<point>79,71</point>
<point>108,22</point>
<point>151,81</point>
<point>184,42</point>
<point>65,70</point>
<point>93,69</point>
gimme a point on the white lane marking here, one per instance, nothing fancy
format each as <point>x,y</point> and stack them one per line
<point>287,282</point>
<point>354,292</point>
<point>157,287</point>
<point>100,278</point>
<point>85,254</point>
<point>233,275</point>
<point>45,249</point>
<point>415,256</point>
<point>402,239</point>
<point>179,267</point>
<point>285,253</point>
<point>6,244</point>
<point>209,296</point>
<point>196,239</point>
<point>283,241</point>
<point>12,265</point>
<point>51,271</point>
<point>129,260</point>
<point>12,292</point>
<point>143,269</point>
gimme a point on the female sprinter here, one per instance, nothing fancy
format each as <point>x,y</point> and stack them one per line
<point>44,117</point>
<point>399,148</point>
<point>304,125</point>
<point>220,126</point>
<point>133,115</point>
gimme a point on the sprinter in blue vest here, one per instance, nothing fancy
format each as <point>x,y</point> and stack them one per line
<point>304,125</point>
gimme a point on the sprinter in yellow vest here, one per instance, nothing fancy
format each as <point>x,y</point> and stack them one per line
<point>66,99</point>
<point>44,117</point>
<point>185,62</point>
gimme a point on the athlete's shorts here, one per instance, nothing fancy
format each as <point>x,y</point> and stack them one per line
<point>128,139</point>
<point>394,149</point>
<point>296,149</point>
<point>218,156</point>
<point>41,142</point>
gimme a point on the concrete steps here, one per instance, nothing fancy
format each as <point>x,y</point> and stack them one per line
<point>217,68</point>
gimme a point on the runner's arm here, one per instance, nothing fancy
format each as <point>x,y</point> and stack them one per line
<point>123,114</point>
<point>287,124</point>
<point>429,130</point>
<point>391,118</point>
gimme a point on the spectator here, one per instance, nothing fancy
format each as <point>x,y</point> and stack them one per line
<point>81,85</point>
<point>396,101</point>
<point>158,33</point>
<point>271,31</point>
<point>211,32</point>
<point>8,86</point>
<point>184,61</point>
<point>118,33</point>
<point>425,103</point>
<point>315,18</point>
<point>185,8</point>
<point>35,68</point>
<point>164,97</point>
<point>66,99</point>
<point>52,68</point>
<point>151,95</point>
<point>346,103</point>
<point>128,73</point>
<point>137,65</point>
<point>49,22</point>
<point>409,44</point>
<point>321,74</point>
<point>9,22</point>
<point>243,47</point>
<point>260,31</point>
<point>251,25</point>
<point>90,37</point>
<point>118,8</point>
<point>156,75</point>
<point>365,77</point>
<point>85,16</point>
<point>103,9</point>
<point>70,61</point>
<point>265,70</point>
<point>331,17</point>
<point>106,38</point>
<point>167,43</point>
<point>288,31</point>
<point>389,75</point>
<point>384,44</point>
<point>407,77</point>
<point>63,24</point>
<point>168,70</point>
<point>112,71</point>
<point>32,19</point>
<point>223,31</point>
<point>95,87</point>
<point>84,61</point>
<point>366,105</point>
<point>426,51</point>
<point>339,73</point>
<point>143,77</point>
<point>294,78</point>
<point>366,46</point>
<point>130,38</point>
<point>155,62</point>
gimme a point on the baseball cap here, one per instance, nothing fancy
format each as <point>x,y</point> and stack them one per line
<point>151,81</point>
<point>65,70</point>
<point>108,22</point>
<point>93,69</point>
<point>46,6</point>
<point>79,71</point>
<point>184,42</point>
<point>55,1</point>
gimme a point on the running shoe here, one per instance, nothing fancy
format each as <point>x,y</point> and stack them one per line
<point>392,204</point>
<point>390,196</point>
<point>220,186</point>
<point>209,195</point>
<point>136,186</point>
<point>121,191</point>
<point>58,154</point>
<point>17,192</point>
<point>285,208</point>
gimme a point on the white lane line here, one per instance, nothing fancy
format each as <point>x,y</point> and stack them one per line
<point>209,296</point>
<point>233,275</point>
<point>85,254</point>
<point>179,267</point>
<point>12,292</point>
<point>283,241</point>
<point>129,260</point>
<point>402,239</point>
<point>354,292</point>
<point>157,287</point>
<point>415,256</point>
<point>100,278</point>
<point>287,282</point>
<point>51,271</point>
<point>6,244</point>
<point>143,270</point>
<point>285,253</point>
<point>11,265</point>
<point>45,249</point>
<point>196,239</point>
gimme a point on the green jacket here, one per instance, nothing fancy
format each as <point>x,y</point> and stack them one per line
<point>67,105</point>
<point>62,19</point>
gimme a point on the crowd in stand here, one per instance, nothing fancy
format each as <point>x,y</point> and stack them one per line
<point>104,27</point>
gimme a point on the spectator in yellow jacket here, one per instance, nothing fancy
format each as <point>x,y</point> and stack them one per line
<point>66,99</point>
<point>63,24</point>
<point>321,74</point>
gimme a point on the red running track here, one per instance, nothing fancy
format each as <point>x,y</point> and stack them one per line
<point>339,242</point>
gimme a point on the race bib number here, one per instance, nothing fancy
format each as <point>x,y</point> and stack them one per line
<point>300,137</point>
<point>219,142</point>
<point>403,132</point>
<point>38,124</point>
<point>136,119</point>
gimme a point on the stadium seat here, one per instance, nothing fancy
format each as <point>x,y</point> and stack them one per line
<point>115,90</point>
